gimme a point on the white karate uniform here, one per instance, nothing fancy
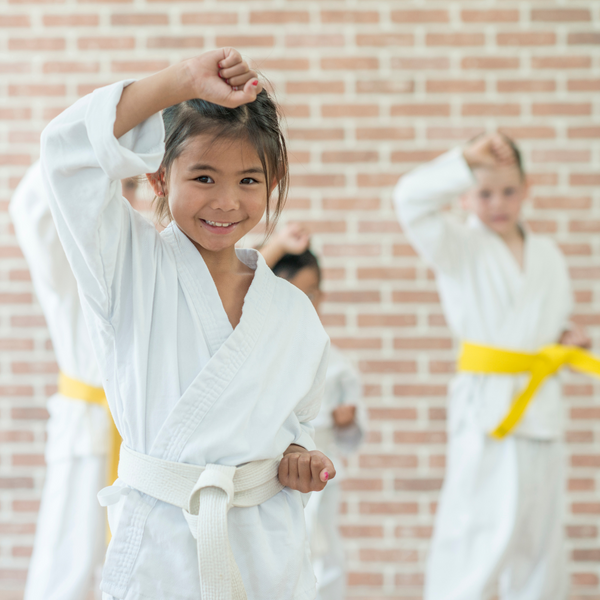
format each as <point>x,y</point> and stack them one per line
<point>70,539</point>
<point>500,512</point>
<point>342,386</point>
<point>182,384</point>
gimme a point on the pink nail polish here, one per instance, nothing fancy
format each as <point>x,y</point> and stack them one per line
<point>255,82</point>
<point>326,475</point>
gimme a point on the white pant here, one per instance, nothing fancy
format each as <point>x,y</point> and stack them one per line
<point>70,541</point>
<point>322,521</point>
<point>499,521</point>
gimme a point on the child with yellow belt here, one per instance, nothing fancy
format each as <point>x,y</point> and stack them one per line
<point>506,294</point>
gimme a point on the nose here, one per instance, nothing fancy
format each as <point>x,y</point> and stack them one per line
<point>225,198</point>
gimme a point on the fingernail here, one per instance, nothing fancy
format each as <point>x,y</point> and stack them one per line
<point>219,65</point>
<point>255,82</point>
<point>326,475</point>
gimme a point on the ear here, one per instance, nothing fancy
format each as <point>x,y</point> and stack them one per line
<point>157,182</point>
<point>464,201</point>
<point>273,186</point>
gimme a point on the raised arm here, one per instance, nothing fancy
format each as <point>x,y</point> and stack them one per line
<point>293,238</point>
<point>112,134</point>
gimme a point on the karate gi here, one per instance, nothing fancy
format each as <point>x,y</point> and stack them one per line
<point>70,539</point>
<point>182,384</point>
<point>500,513</point>
<point>342,386</point>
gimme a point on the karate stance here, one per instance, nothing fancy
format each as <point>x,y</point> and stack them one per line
<point>209,360</point>
<point>500,517</point>
<point>341,423</point>
<point>70,540</point>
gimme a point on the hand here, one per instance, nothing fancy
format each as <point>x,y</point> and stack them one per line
<point>293,238</point>
<point>489,150</point>
<point>344,415</point>
<point>576,336</point>
<point>305,471</point>
<point>222,77</point>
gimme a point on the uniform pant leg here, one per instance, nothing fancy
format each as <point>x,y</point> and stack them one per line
<point>536,564</point>
<point>70,539</point>
<point>476,517</point>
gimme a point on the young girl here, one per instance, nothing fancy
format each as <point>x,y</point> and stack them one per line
<point>208,358</point>
<point>341,423</point>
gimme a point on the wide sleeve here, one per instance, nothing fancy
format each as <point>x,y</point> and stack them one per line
<point>348,439</point>
<point>421,198</point>
<point>308,409</point>
<point>38,238</point>
<point>82,162</point>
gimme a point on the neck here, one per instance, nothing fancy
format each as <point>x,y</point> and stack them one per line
<point>513,235</point>
<point>220,262</point>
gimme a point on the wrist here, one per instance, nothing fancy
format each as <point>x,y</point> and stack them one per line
<point>295,449</point>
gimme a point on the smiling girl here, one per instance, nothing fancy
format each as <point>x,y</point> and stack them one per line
<point>212,365</point>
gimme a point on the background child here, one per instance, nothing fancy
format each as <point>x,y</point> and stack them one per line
<point>71,536</point>
<point>500,513</point>
<point>341,423</point>
<point>196,386</point>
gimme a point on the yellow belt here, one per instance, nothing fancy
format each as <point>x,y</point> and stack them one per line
<point>542,364</point>
<point>71,388</point>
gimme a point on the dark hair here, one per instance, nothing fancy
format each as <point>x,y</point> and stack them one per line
<point>257,122</point>
<point>291,264</point>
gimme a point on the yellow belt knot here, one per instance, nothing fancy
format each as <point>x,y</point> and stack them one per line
<point>476,358</point>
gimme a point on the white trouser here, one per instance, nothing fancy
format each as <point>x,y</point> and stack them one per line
<point>499,521</point>
<point>322,521</point>
<point>70,540</point>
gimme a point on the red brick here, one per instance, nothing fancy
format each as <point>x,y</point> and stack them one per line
<point>349,156</point>
<point>376,179</point>
<point>455,39</point>
<point>560,15</point>
<point>175,41</point>
<point>385,133</point>
<point>385,39</point>
<point>361,531</point>
<point>422,343</point>
<point>420,16</point>
<point>555,109</point>
<point>529,133</point>
<point>587,179</point>
<point>490,62</point>
<point>388,508</point>
<point>491,110</point>
<point>584,38</point>
<point>415,297</point>
<point>388,461</point>
<point>39,44</point>
<point>138,66</point>
<point>419,390</point>
<point>384,86</point>
<point>419,63</point>
<point>395,414</point>
<point>453,133</point>
<point>586,555</point>
<point>526,38</point>
<point>583,85</point>
<point>73,20</point>
<point>353,297</point>
<point>489,16</point>
<point>561,156</point>
<point>279,16</point>
<point>420,437</point>
<point>319,40</point>
<point>70,67</point>
<point>317,180</point>
<point>414,532</point>
<point>380,227</point>
<point>347,343</point>
<point>454,86</point>
<point>420,110</point>
<point>563,202</point>
<point>283,64</point>
<point>561,62</point>
<point>140,19</point>
<point>383,320</point>
<point>415,155</point>
<point>15,21</point>
<point>395,555</point>
<point>526,85</point>
<point>393,273</point>
<point>315,87</point>
<point>418,485</point>
<point>365,579</point>
<point>106,43</point>
<point>388,366</point>
<point>357,63</point>
<point>349,110</point>
<point>349,16</point>
<point>245,41</point>
<point>351,250</point>
<point>209,18</point>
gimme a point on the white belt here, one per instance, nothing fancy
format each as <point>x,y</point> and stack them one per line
<point>205,494</point>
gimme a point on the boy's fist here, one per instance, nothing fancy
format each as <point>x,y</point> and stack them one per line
<point>575,336</point>
<point>344,415</point>
<point>223,77</point>
<point>489,150</point>
<point>293,238</point>
<point>305,471</point>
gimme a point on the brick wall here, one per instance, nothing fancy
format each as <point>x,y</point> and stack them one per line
<point>370,88</point>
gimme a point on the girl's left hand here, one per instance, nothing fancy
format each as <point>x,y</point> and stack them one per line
<point>575,336</point>
<point>305,471</point>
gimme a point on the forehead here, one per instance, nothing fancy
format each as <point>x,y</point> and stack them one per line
<point>306,279</point>
<point>227,154</point>
<point>497,176</point>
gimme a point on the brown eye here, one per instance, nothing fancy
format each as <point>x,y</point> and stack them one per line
<point>248,181</point>
<point>204,179</point>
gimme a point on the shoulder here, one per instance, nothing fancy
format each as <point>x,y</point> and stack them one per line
<point>547,245</point>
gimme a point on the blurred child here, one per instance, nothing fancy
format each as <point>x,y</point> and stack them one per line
<point>341,423</point>
<point>70,540</point>
<point>500,517</point>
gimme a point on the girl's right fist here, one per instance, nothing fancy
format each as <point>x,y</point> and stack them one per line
<point>222,77</point>
<point>489,150</point>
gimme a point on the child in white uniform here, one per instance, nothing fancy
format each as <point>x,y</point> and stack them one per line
<point>341,424</point>
<point>70,540</point>
<point>213,367</point>
<point>500,513</point>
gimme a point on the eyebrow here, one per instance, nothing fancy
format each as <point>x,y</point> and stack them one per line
<point>203,167</point>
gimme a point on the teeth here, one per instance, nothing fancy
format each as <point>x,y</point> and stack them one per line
<point>215,224</point>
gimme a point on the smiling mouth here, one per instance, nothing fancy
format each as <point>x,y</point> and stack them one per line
<point>218,224</point>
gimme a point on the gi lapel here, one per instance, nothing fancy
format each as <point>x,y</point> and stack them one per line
<point>230,353</point>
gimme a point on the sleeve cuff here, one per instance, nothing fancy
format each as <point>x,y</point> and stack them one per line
<point>305,439</point>
<point>139,151</point>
